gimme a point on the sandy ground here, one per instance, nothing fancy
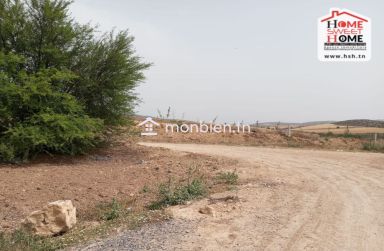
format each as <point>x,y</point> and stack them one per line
<point>288,199</point>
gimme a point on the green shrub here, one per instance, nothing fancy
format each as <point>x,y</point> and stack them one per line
<point>367,136</point>
<point>354,136</point>
<point>37,118</point>
<point>6,152</point>
<point>327,135</point>
<point>59,82</point>
<point>374,147</point>
<point>229,178</point>
<point>292,143</point>
<point>145,189</point>
<point>170,195</point>
<point>112,210</point>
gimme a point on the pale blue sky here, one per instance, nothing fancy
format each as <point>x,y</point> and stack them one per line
<point>244,60</point>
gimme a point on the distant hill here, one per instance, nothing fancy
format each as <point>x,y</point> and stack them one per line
<point>317,122</point>
<point>294,124</point>
<point>273,124</point>
<point>362,123</point>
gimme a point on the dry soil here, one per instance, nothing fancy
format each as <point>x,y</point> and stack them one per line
<point>288,199</point>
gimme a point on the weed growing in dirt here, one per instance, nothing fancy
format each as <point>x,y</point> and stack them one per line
<point>292,143</point>
<point>175,195</point>
<point>367,136</point>
<point>20,240</point>
<point>371,146</point>
<point>145,189</point>
<point>112,210</point>
<point>229,178</point>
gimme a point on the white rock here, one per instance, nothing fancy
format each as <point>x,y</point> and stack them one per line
<point>55,218</point>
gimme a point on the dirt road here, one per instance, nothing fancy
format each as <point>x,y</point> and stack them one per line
<point>288,199</point>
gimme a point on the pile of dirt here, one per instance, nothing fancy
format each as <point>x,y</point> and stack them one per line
<point>123,172</point>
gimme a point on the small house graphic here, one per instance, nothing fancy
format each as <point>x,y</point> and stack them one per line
<point>148,125</point>
<point>338,13</point>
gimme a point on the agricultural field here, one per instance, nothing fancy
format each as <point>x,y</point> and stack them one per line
<point>339,129</point>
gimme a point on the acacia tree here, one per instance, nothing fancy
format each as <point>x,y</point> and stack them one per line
<point>59,84</point>
<point>106,85</point>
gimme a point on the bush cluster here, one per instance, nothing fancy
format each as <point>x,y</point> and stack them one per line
<point>60,82</point>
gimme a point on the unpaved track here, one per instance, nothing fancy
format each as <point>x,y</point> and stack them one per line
<point>289,199</point>
<point>297,199</point>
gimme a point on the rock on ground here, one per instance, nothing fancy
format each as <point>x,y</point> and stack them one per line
<point>55,218</point>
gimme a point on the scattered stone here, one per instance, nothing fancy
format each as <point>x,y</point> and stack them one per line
<point>55,218</point>
<point>207,210</point>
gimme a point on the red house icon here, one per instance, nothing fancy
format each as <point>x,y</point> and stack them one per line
<point>336,13</point>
